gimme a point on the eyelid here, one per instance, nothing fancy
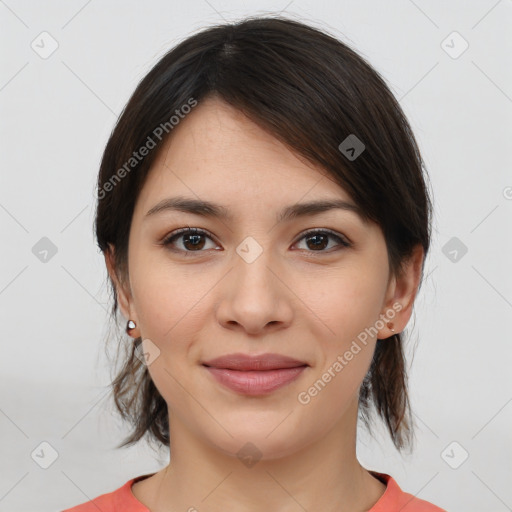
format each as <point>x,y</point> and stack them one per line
<point>344,241</point>
<point>186,230</point>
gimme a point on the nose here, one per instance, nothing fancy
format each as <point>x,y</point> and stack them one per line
<point>254,296</point>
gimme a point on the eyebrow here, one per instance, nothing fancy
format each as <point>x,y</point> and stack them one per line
<point>213,210</point>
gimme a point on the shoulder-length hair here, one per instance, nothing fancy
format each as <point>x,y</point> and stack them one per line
<point>311,91</point>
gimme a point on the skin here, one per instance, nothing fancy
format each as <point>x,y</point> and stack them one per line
<point>295,299</point>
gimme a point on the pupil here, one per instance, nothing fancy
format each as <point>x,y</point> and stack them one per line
<point>318,243</point>
<point>194,240</point>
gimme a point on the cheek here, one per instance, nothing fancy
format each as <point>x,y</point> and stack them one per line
<point>166,298</point>
<point>168,305</point>
<point>347,302</point>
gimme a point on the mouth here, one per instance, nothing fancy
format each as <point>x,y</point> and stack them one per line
<point>262,362</point>
<point>255,375</point>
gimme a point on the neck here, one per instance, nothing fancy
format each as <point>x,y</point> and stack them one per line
<point>323,475</point>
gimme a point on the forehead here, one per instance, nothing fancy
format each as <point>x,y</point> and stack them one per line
<point>219,154</point>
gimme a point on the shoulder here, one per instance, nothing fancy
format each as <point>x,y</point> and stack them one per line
<point>396,499</point>
<point>119,500</point>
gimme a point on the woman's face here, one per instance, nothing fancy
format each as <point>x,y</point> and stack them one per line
<point>254,285</point>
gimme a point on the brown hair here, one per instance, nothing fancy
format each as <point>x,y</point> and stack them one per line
<point>311,91</point>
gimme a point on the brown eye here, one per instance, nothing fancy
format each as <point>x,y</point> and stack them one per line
<point>195,240</point>
<point>192,240</point>
<point>318,240</point>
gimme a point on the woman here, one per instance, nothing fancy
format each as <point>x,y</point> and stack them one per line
<point>264,218</point>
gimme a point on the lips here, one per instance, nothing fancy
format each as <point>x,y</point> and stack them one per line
<point>255,375</point>
<point>244,362</point>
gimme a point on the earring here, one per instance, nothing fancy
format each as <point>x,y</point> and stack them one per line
<point>390,326</point>
<point>130,326</point>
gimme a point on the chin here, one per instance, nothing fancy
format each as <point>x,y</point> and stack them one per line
<point>253,444</point>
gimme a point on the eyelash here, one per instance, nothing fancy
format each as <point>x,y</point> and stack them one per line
<point>198,231</point>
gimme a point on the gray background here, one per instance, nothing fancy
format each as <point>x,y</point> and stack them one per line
<point>56,115</point>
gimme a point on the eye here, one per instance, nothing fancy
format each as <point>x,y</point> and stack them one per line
<point>191,240</point>
<point>318,239</point>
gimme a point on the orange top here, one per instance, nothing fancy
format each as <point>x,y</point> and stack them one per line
<point>123,500</point>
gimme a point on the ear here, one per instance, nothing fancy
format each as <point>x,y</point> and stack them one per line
<point>401,294</point>
<point>124,296</point>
